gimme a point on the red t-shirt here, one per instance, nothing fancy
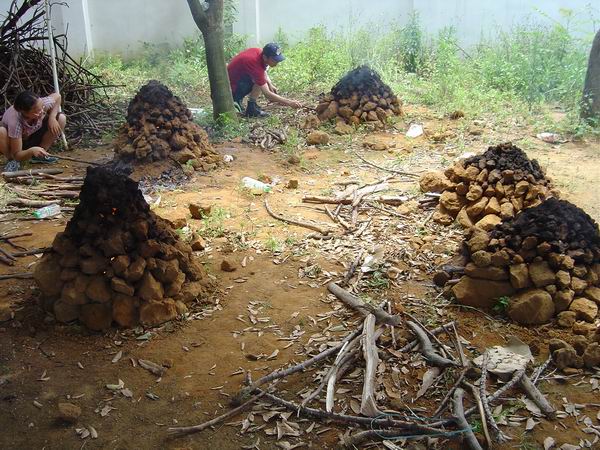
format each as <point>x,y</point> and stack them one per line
<point>249,62</point>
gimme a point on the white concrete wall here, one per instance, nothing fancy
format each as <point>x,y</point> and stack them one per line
<point>123,26</point>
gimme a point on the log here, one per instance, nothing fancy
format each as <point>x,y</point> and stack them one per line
<point>299,223</point>
<point>427,349</point>
<point>31,172</point>
<point>414,344</point>
<point>368,405</point>
<point>461,421</point>
<point>364,308</point>
<point>33,251</point>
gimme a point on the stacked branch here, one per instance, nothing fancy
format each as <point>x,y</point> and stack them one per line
<point>25,65</point>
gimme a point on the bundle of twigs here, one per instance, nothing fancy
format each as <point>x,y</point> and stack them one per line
<point>25,65</point>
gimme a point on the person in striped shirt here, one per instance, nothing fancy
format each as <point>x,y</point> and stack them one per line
<point>29,127</point>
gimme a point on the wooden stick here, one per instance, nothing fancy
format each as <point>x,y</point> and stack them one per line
<point>386,200</point>
<point>5,237</point>
<point>487,415</point>
<point>32,203</point>
<point>461,421</point>
<point>295,222</point>
<point>33,251</point>
<point>70,158</point>
<point>427,349</point>
<point>368,405</point>
<point>415,343</point>
<point>364,308</point>
<point>7,255</point>
<point>31,172</point>
<point>399,172</point>
<point>537,397</point>
<point>337,218</point>
<point>449,394</point>
<point>348,419</point>
<point>280,373</point>
<point>20,276</point>
<point>482,414</point>
<point>352,268</point>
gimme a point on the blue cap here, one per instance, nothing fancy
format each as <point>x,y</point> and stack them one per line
<point>273,50</point>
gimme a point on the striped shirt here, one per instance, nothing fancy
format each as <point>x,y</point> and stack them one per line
<point>18,127</point>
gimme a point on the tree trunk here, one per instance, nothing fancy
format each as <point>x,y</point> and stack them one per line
<point>220,89</point>
<point>210,23</point>
<point>590,107</point>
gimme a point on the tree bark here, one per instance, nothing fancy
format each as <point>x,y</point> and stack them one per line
<point>590,105</point>
<point>210,23</point>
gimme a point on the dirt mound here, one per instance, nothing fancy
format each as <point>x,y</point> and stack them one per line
<point>159,127</point>
<point>488,188</point>
<point>507,157</point>
<point>117,260</point>
<point>360,96</point>
<point>558,222</point>
<point>546,259</point>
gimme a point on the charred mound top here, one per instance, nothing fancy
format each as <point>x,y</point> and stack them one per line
<point>558,222</point>
<point>506,157</point>
<point>363,80</point>
<point>159,126</point>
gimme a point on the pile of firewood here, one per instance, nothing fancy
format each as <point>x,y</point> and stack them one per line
<point>117,261</point>
<point>160,126</point>
<point>546,259</point>
<point>25,64</point>
<point>488,188</point>
<point>360,96</point>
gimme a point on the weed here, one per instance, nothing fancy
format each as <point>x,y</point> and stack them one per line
<point>378,281</point>
<point>273,245</point>
<point>501,304</point>
<point>213,225</point>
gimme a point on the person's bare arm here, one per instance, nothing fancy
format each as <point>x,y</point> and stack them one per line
<point>18,154</point>
<point>270,83</point>
<point>278,98</point>
<point>53,124</point>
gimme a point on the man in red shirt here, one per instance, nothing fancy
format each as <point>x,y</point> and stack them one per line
<point>248,76</point>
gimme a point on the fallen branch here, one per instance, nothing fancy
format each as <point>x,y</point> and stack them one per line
<point>364,308</point>
<point>368,405</point>
<point>461,421</point>
<point>427,349</point>
<point>415,343</point>
<point>295,222</point>
<point>19,276</point>
<point>77,160</point>
<point>352,268</point>
<point>32,203</point>
<point>482,414</point>
<point>537,397</point>
<point>386,200</point>
<point>31,172</point>
<point>399,172</point>
<point>33,251</point>
<point>487,415</point>
<point>280,373</point>
<point>347,419</point>
<point>184,431</point>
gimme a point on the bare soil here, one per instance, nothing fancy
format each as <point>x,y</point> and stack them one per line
<point>204,353</point>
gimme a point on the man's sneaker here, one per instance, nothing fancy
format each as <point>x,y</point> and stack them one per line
<point>12,166</point>
<point>238,107</point>
<point>44,160</point>
<point>253,110</point>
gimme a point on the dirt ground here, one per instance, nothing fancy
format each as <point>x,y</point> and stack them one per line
<point>43,363</point>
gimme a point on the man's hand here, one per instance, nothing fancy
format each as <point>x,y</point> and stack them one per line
<point>54,126</point>
<point>294,104</point>
<point>39,152</point>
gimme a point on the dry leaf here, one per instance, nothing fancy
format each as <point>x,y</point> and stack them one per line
<point>152,367</point>
<point>117,357</point>
<point>549,443</point>
<point>530,424</point>
<point>428,379</point>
